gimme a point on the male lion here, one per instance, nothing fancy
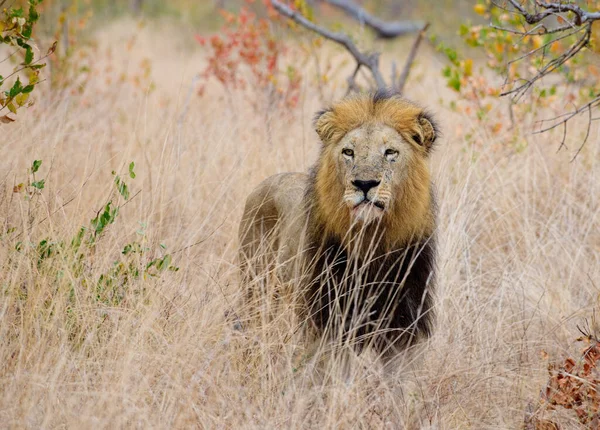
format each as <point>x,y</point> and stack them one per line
<point>355,235</point>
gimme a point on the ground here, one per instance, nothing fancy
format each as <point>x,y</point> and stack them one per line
<point>519,265</point>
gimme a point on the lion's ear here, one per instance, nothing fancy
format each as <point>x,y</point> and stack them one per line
<point>325,125</point>
<point>428,132</point>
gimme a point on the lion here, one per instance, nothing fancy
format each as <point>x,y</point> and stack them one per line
<point>354,236</point>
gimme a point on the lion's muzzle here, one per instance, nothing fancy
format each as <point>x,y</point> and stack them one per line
<point>365,203</point>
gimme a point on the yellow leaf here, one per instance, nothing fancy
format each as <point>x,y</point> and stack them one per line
<point>33,77</point>
<point>468,67</point>
<point>11,107</point>
<point>21,99</point>
<point>479,9</point>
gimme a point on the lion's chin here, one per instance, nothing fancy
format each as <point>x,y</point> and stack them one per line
<point>366,213</point>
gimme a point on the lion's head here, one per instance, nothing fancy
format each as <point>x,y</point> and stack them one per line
<point>373,167</point>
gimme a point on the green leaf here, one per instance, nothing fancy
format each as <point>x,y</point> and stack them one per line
<point>131,172</point>
<point>454,82</point>
<point>122,188</point>
<point>76,242</point>
<point>28,55</point>
<point>164,263</point>
<point>105,218</point>
<point>38,184</point>
<point>15,13</point>
<point>36,165</point>
<point>28,89</point>
<point>33,13</point>
<point>27,30</point>
<point>16,89</point>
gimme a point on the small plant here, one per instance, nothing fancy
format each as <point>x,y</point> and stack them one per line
<point>249,55</point>
<point>33,186</point>
<point>524,43</point>
<point>16,31</point>
<point>572,386</point>
<point>115,286</point>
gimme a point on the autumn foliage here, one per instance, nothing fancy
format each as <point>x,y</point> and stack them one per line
<point>246,54</point>
<point>572,386</point>
<point>16,31</point>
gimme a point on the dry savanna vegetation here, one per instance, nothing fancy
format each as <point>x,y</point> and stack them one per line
<point>120,297</point>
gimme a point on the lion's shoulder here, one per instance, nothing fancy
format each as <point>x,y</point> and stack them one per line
<point>274,216</point>
<point>273,202</point>
<point>280,194</point>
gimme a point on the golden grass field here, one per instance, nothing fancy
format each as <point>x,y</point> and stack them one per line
<point>519,266</point>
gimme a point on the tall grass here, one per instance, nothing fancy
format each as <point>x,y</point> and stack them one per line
<point>519,268</point>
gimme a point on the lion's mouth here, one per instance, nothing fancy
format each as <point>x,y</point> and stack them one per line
<point>370,203</point>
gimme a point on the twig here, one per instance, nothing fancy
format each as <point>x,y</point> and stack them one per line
<point>552,65</point>
<point>411,58</point>
<point>564,119</point>
<point>384,30</point>
<point>574,22</point>
<point>582,20</point>
<point>587,134</point>
<point>370,61</point>
<point>567,116</point>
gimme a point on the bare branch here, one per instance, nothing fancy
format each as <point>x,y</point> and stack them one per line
<point>584,16</point>
<point>370,61</point>
<point>411,58</point>
<point>566,117</point>
<point>575,23</point>
<point>540,29</point>
<point>587,133</point>
<point>384,30</point>
<point>553,64</point>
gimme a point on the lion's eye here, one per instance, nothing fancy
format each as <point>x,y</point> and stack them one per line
<point>391,152</point>
<point>348,152</point>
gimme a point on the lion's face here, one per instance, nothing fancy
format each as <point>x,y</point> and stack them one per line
<point>374,166</point>
<point>372,161</point>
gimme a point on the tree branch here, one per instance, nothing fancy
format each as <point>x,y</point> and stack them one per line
<point>551,65</point>
<point>584,16</point>
<point>384,30</point>
<point>575,27</point>
<point>562,119</point>
<point>553,8</point>
<point>411,58</point>
<point>370,61</point>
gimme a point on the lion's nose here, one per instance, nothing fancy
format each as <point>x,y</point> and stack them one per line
<point>365,186</point>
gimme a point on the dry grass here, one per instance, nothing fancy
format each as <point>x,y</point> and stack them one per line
<point>519,268</point>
